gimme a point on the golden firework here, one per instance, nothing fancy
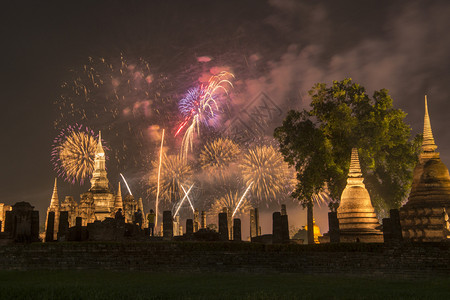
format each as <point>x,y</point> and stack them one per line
<point>271,176</point>
<point>218,154</point>
<point>73,154</point>
<point>230,201</point>
<point>175,172</point>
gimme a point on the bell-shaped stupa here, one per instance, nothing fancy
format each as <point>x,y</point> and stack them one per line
<point>422,218</point>
<point>356,215</point>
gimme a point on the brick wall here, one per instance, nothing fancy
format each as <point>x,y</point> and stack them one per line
<point>412,260</point>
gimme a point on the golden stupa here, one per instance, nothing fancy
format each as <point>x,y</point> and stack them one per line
<point>357,219</point>
<point>423,217</point>
<point>316,231</point>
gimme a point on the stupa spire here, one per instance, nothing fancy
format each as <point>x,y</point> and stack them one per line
<point>118,203</point>
<point>99,181</point>
<point>119,191</point>
<point>356,215</point>
<point>428,144</point>
<point>355,168</point>
<point>99,144</point>
<point>55,201</point>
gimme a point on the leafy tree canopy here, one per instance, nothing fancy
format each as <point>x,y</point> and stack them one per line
<point>318,143</point>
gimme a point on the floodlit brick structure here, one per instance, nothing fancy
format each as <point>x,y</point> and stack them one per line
<point>357,219</point>
<point>424,217</point>
<point>3,209</point>
<point>98,203</point>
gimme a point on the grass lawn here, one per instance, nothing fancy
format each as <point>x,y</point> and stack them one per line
<point>141,285</point>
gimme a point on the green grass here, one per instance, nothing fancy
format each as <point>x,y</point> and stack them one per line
<point>141,285</point>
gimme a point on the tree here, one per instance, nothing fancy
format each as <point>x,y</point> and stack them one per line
<point>318,143</point>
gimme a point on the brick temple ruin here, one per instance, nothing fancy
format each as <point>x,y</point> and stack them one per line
<point>424,218</point>
<point>98,203</point>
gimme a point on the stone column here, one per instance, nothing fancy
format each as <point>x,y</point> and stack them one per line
<point>253,229</point>
<point>284,228</point>
<point>333,225</point>
<point>176,225</point>
<point>387,230</point>
<point>227,210</point>
<point>276,228</point>
<point>203,220</point>
<point>35,226</point>
<point>196,223</point>
<point>189,227</point>
<point>223,226</point>
<point>395,224</point>
<point>78,228</point>
<point>63,227</point>
<point>237,230</point>
<point>9,223</point>
<point>258,227</point>
<point>283,210</point>
<point>167,224</point>
<point>50,226</point>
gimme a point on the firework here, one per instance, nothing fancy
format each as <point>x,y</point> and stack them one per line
<point>242,198</point>
<point>200,106</point>
<point>121,93</point>
<point>174,172</point>
<point>73,153</point>
<point>126,183</point>
<point>186,196</point>
<point>218,154</point>
<point>230,200</point>
<point>270,174</point>
<point>158,178</point>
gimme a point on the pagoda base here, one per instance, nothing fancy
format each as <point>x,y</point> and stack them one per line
<point>424,224</point>
<point>353,236</point>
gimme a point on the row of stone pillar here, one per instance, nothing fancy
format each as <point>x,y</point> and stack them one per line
<point>232,230</point>
<point>63,228</point>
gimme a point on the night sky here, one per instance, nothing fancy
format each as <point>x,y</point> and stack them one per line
<point>280,48</point>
